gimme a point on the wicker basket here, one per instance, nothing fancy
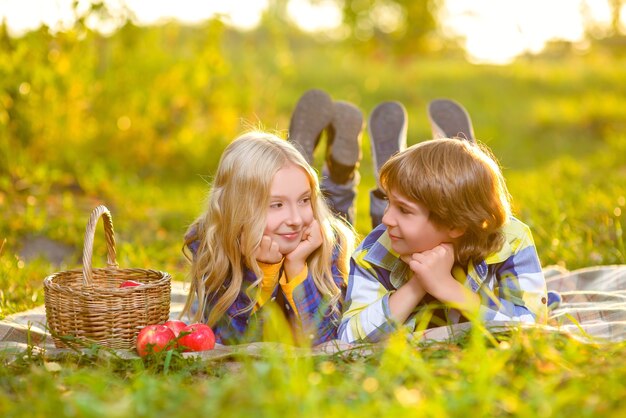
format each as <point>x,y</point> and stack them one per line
<point>87,306</point>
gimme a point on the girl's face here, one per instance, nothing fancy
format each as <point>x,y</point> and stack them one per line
<point>409,227</point>
<point>290,211</point>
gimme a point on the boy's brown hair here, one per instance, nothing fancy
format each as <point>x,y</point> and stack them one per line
<point>461,185</point>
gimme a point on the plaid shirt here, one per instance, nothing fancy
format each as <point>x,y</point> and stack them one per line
<point>510,284</point>
<point>314,320</point>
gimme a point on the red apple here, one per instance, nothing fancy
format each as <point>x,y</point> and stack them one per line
<point>199,337</point>
<point>175,325</point>
<point>153,338</point>
<point>130,283</point>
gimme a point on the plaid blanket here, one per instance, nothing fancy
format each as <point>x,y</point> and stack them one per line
<point>592,309</point>
<point>28,329</point>
<point>594,303</point>
<point>592,306</point>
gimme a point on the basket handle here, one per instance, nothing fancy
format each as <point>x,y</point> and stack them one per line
<point>89,237</point>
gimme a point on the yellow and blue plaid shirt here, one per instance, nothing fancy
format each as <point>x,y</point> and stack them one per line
<point>305,307</point>
<point>510,284</point>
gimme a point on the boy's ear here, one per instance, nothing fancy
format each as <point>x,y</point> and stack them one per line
<point>456,232</point>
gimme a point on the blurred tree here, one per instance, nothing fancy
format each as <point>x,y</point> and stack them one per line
<point>401,27</point>
<point>605,36</point>
<point>275,27</point>
<point>601,29</point>
<point>616,16</point>
<point>6,100</point>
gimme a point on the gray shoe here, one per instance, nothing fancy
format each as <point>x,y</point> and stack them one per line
<point>387,129</point>
<point>449,119</point>
<point>344,141</point>
<point>312,114</point>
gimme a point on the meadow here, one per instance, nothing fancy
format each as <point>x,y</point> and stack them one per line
<point>137,121</point>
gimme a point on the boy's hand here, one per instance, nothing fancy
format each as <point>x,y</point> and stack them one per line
<point>268,251</point>
<point>311,241</point>
<point>433,268</point>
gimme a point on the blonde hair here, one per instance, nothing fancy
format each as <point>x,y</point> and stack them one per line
<point>231,228</point>
<point>462,186</point>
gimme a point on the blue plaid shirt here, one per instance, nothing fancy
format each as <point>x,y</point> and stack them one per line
<point>510,284</point>
<point>314,319</point>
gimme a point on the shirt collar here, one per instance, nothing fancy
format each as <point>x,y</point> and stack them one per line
<point>477,273</point>
<point>382,255</point>
<point>498,257</point>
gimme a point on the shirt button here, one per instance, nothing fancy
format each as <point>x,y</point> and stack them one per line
<point>544,300</point>
<point>273,299</point>
<point>287,306</point>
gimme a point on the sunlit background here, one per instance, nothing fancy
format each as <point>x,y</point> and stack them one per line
<point>491,31</point>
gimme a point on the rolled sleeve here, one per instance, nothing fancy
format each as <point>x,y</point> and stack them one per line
<point>367,316</point>
<point>520,292</point>
<point>268,284</point>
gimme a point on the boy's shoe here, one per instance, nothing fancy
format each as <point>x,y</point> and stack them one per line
<point>449,119</point>
<point>344,141</point>
<point>312,114</point>
<point>387,129</point>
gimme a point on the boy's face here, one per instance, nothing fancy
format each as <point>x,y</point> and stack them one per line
<point>410,229</point>
<point>290,211</point>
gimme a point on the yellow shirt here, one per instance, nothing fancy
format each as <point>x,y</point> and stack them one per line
<point>270,280</point>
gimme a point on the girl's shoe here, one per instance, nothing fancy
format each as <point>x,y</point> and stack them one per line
<point>312,114</point>
<point>387,130</point>
<point>449,119</point>
<point>343,153</point>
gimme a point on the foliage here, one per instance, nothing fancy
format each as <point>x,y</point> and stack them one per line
<point>400,28</point>
<point>521,374</point>
<point>137,121</point>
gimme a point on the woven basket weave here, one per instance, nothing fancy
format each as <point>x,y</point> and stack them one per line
<point>87,306</point>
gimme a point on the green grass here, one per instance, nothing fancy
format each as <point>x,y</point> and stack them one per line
<point>522,374</point>
<point>137,121</point>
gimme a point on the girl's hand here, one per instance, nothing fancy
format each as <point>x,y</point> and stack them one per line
<point>311,241</point>
<point>433,268</point>
<point>268,251</point>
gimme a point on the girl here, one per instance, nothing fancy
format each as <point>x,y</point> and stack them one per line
<point>267,237</point>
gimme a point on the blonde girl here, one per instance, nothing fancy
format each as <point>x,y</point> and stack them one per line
<point>267,237</point>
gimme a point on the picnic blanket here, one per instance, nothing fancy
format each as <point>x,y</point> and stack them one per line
<point>27,329</point>
<point>592,309</point>
<point>594,303</point>
<point>592,306</point>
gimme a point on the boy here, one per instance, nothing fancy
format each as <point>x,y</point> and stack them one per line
<point>447,239</point>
